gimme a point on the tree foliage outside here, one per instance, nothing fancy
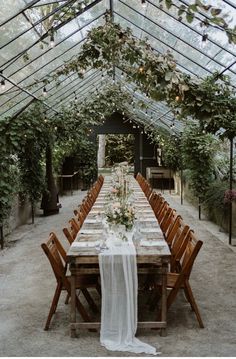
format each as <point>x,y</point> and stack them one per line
<point>119,148</point>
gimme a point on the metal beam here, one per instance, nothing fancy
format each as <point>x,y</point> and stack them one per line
<point>47,33</point>
<point>19,12</point>
<point>175,36</point>
<point>27,92</point>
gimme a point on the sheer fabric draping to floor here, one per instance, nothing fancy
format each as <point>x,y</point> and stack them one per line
<point>118,270</point>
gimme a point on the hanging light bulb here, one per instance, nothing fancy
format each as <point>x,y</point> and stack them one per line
<point>143,3</point>
<point>52,41</point>
<point>3,85</point>
<point>141,69</point>
<point>204,39</point>
<point>45,91</point>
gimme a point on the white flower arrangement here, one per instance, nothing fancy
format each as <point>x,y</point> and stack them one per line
<point>120,213</point>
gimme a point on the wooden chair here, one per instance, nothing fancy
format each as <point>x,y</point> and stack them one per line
<point>172,230</point>
<point>162,210</point>
<point>177,281</point>
<point>80,214</point>
<point>178,247</point>
<point>73,228</point>
<point>56,255</point>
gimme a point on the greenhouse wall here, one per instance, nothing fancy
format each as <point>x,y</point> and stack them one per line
<point>20,214</point>
<point>215,215</point>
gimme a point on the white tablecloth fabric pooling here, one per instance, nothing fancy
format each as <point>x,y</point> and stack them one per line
<point>119,282</point>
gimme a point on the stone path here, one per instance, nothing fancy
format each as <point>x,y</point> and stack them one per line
<point>27,286</point>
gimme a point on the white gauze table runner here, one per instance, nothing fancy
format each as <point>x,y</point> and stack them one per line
<point>119,281</point>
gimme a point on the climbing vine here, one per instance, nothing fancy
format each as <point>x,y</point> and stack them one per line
<point>198,150</point>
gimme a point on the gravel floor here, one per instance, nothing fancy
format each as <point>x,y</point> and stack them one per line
<point>27,286</point>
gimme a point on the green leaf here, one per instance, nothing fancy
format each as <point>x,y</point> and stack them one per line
<point>168,3</point>
<point>215,11</point>
<point>190,17</point>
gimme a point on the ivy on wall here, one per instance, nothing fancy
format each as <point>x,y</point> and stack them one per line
<point>198,151</point>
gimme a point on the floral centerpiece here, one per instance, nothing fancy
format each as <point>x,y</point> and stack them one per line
<point>120,184</point>
<point>120,213</point>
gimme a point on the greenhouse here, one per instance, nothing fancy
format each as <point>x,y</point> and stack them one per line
<point>117,178</point>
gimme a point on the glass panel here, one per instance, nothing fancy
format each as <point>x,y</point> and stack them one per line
<point>9,8</point>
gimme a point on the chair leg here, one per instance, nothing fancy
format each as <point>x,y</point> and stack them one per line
<point>53,305</point>
<point>90,300</point>
<point>193,303</point>
<point>67,298</point>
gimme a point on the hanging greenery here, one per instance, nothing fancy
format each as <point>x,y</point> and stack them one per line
<point>211,101</point>
<point>210,16</point>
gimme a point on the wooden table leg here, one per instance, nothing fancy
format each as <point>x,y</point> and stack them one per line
<point>164,296</point>
<point>73,301</point>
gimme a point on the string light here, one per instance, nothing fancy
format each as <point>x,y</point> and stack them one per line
<point>52,41</point>
<point>45,91</point>
<point>3,84</point>
<point>141,69</point>
<point>143,3</point>
<point>204,39</point>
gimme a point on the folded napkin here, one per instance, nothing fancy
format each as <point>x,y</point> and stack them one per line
<point>148,219</point>
<point>78,246</point>
<point>152,243</point>
<point>91,231</point>
<point>92,221</point>
<point>156,230</point>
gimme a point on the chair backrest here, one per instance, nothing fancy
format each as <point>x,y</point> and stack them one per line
<point>55,253</point>
<point>168,220</point>
<point>69,234</point>
<point>80,215</point>
<point>161,213</point>
<point>190,253</point>
<point>170,235</point>
<point>178,247</point>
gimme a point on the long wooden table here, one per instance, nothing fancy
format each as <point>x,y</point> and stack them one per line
<point>157,258</point>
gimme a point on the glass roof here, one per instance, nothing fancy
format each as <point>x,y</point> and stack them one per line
<point>27,55</point>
